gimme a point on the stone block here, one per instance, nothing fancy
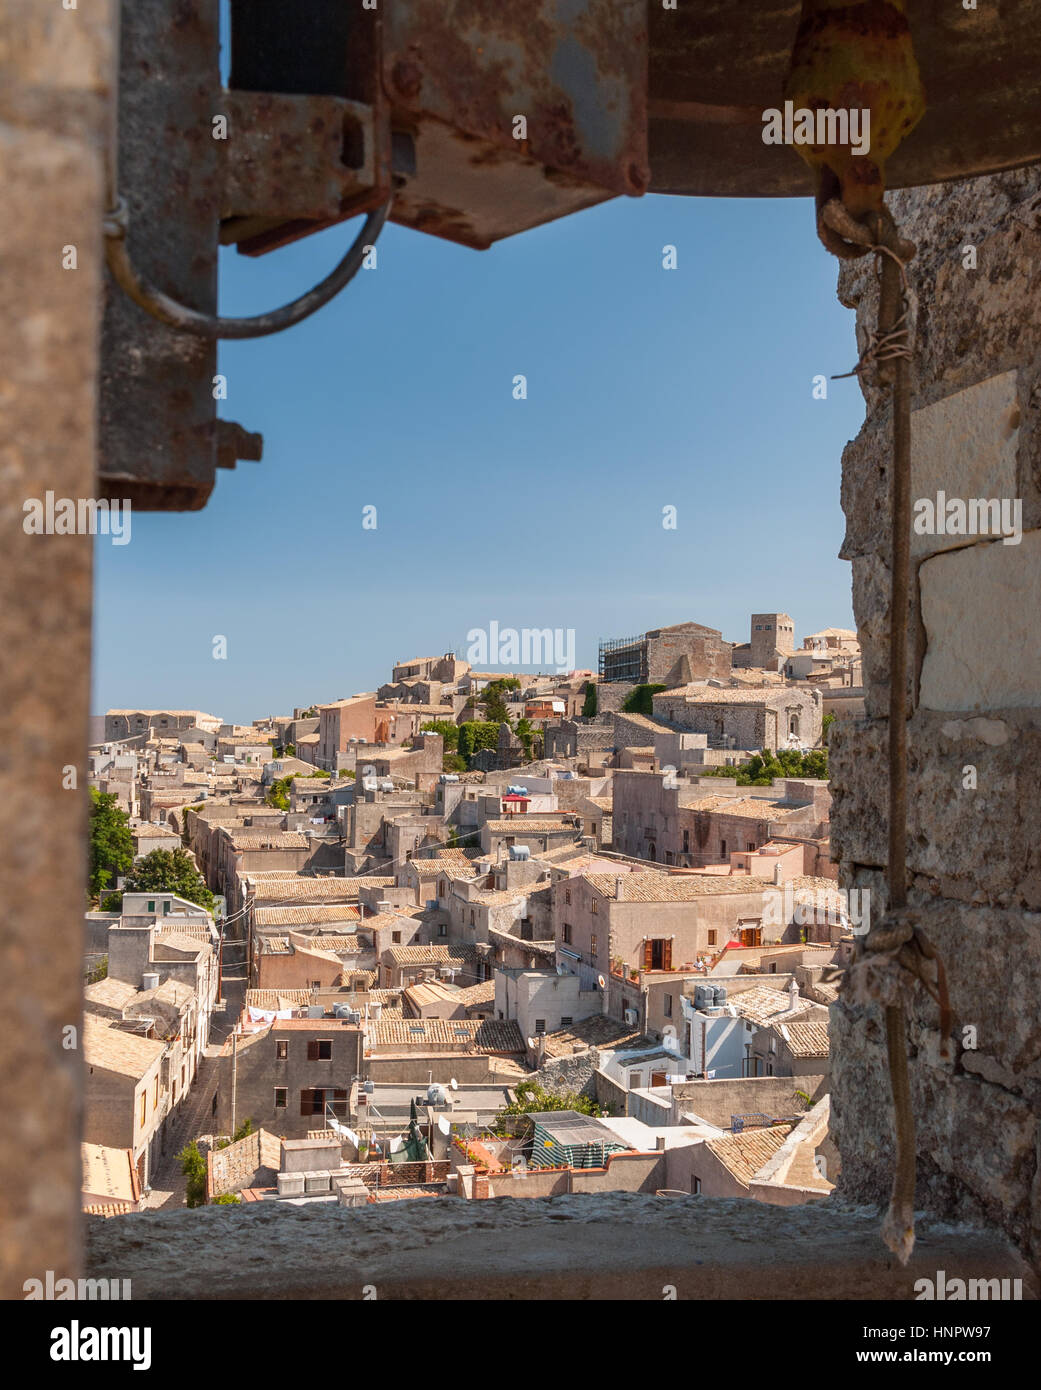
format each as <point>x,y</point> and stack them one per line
<point>290,1184</point>
<point>974,812</point>
<point>980,608</point>
<point>965,446</point>
<point>316,1182</point>
<point>310,1155</point>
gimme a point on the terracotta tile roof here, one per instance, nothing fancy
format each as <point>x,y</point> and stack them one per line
<point>278,998</point>
<point>107,1209</point>
<point>651,887</point>
<point>597,1031</point>
<point>366,977</point>
<point>183,926</point>
<point>429,955</point>
<point>335,942</point>
<point>389,998</point>
<point>351,700</point>
<point>108,994</point>
<point>763,1005</point>
<point>114,1050</point>
<point>305,916</point>
<point>315,890</point>
<point>109,1172</point>
<point>745,1153</point>
<point>432,992</point>
<point>180,941</point>
<point>273,875</point>
<point>481,993</point>
<point>729,695</point>
<point>471,1035</point>
<point>749,807</point>
<point>274,839</point>
<point>806,1039</point>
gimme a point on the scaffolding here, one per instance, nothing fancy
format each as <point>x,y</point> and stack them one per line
<point>624,659</point>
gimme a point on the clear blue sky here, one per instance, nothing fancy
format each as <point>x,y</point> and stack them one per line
<point>646,388</point>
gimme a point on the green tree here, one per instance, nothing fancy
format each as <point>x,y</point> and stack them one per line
<point>448,730</point>
<point>169,871</point>
<point>590,703</point>
<point>765,767</point>
<point>278,793</point>
<point>638,701</point>
<point>228,1199</point>
<point>826,723</point>
<point>111,843</point>
<point>493,699</point>
<point>476,734</point>
<point>531,1099</point>
<point>244,1129</point>
<point>452,762</point>
<point>289,751</point>
<point>98,971</point>
<point>193,1166</point>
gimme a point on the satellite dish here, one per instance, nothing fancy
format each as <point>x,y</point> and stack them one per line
<point>601,982</point>
<point>560,967</point>
<point>454,1084</point>
<point>443,1125</point>
<point>532,1043</point>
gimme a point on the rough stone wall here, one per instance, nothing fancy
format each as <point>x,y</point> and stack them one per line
<point>233,1168</point>
<point>974,818</point>
<point>55,66</point>
<point>577,1073</point>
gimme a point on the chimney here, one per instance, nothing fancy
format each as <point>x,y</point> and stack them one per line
<point>618,887</point>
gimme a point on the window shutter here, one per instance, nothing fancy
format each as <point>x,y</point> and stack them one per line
<point>648,954</point>
<point>312,1052</point>
<point>667,957</point>
<point>306,1103</point>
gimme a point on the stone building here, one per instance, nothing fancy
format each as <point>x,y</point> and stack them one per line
<point>339,723</point>
<point>288,1072</point>
<point>745,717</point>
<point>128,723</point>
<point>651,920</point>
<point>772,639</point>
<point>681,824</point>
<point>666,656</point>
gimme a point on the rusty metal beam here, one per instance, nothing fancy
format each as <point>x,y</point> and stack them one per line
<point>160,441</point>
<point>716,65</point>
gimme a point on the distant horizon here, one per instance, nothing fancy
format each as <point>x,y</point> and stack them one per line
<point>519,670</point>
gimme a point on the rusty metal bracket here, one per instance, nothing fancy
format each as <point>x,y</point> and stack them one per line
<point>185,320</point>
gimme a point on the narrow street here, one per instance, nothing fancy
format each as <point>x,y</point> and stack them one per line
<point>194,1116</point>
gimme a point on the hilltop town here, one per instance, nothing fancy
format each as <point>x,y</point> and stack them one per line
<point>475,933</point>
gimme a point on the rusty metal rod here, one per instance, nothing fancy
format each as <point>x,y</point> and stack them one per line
<point>178,316</point>
<point>898,1229</point>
